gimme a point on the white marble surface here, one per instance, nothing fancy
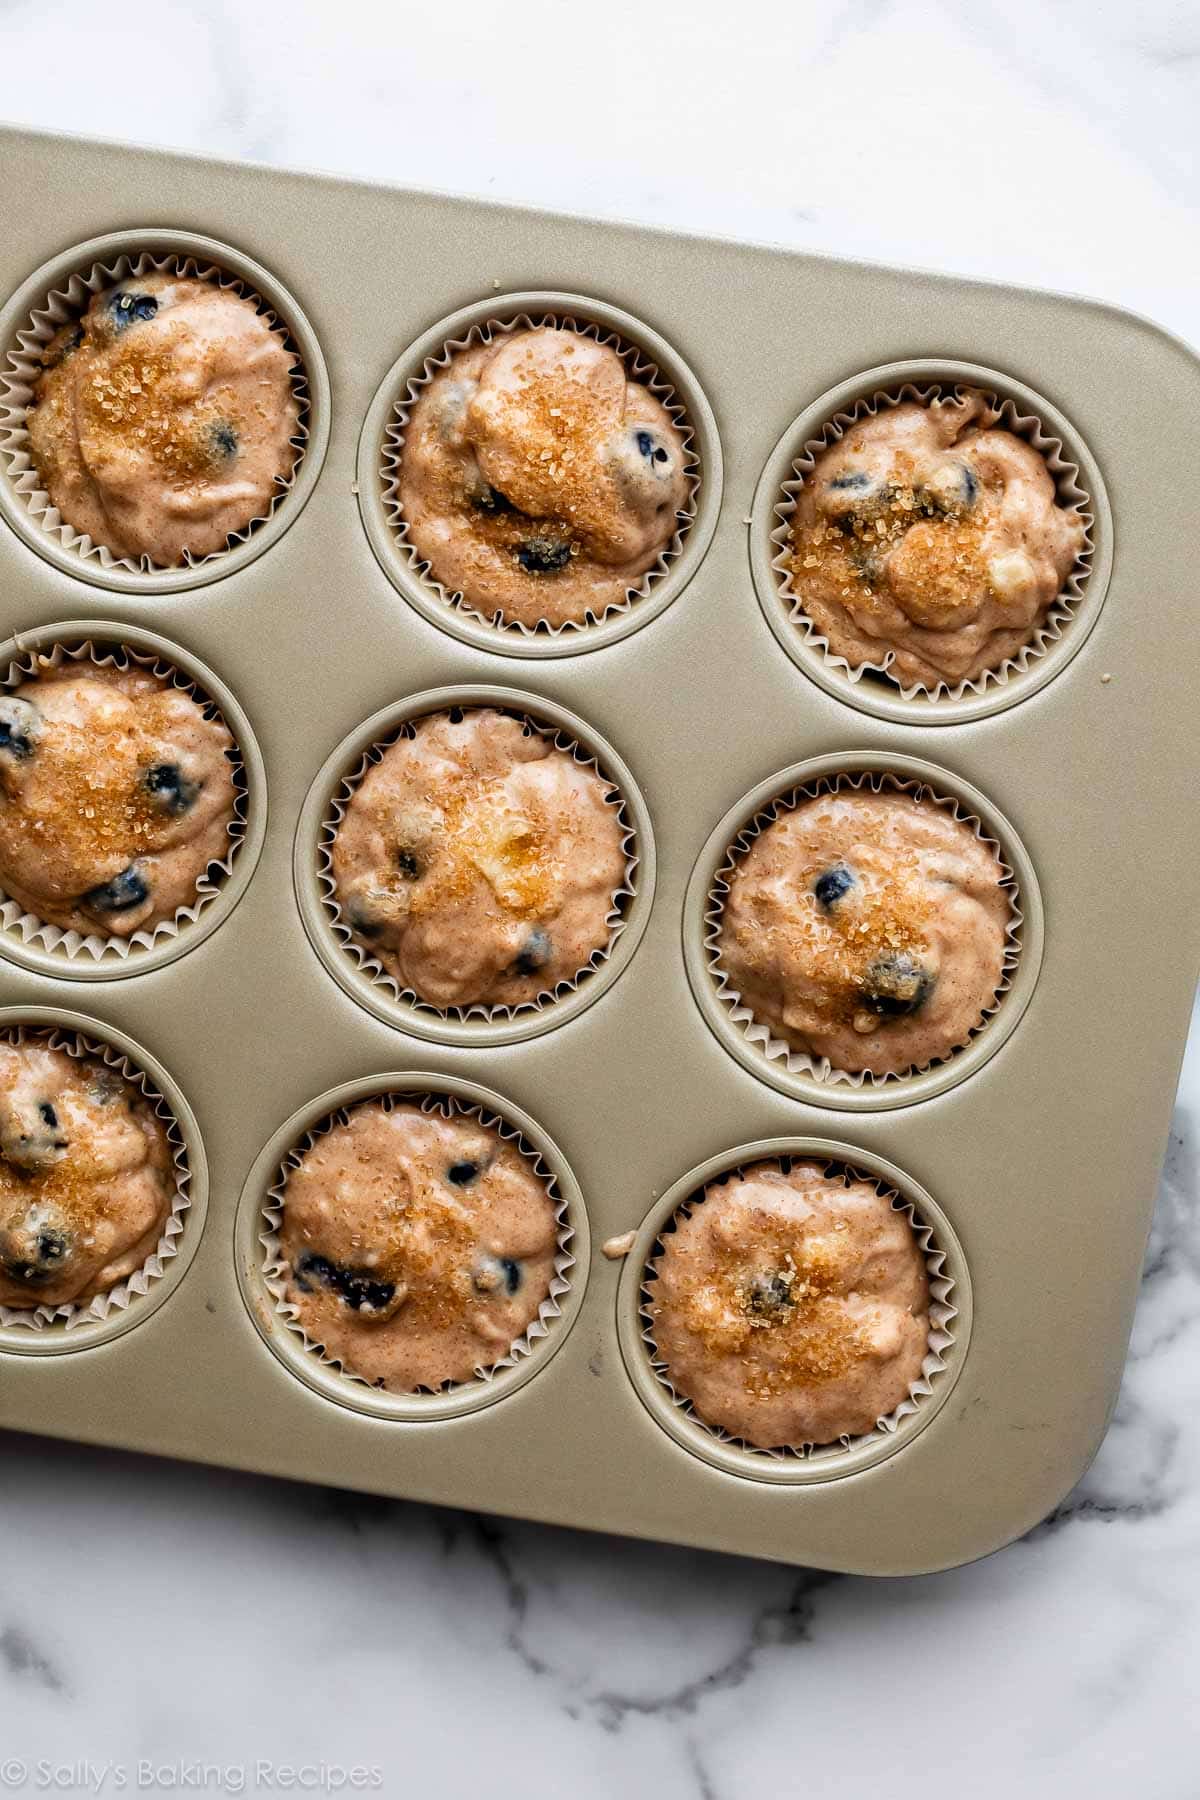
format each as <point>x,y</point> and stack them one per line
<point>152,1613</point>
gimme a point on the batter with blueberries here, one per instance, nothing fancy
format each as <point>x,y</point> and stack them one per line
<point>86,1176</point>
<point>931,541</point>
<point>867,928</point>
<point>164,419</point>
<point>538,480</point>
<point>418,1247</point>
<point>478,861</point>
<point>791,1306</point>
<point>116,795</point>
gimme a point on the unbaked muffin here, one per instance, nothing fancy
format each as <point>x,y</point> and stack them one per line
<point>419,1247</point>
<point>538,480</point>
<point>163,420</point>
<point>478,862</point>
<point>867,928</point>
<point>116,795</point>
<point>86,1176</point>
<point>791,1308</point>
<point>930,539</point>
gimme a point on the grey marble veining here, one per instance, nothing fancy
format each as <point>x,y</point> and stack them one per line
<point>178,1617</point>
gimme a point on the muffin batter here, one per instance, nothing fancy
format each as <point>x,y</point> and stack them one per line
<point>929,537</point>
<point>791,1309</point>
<point>116,793</point>
<point>163,420</point>
<point>419,1248</point>
<point>478,862</point>
<point>867,928</point>
<point>86,1176</point>
<point>537,480</point>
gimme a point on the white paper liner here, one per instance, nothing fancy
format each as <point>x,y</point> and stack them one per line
<point>638,366</point>
<point>942,1313</point>
<point>96,945</point>
<point>775,1049</point>
<point>1071,494</point>
<point>275,1267</point>
<point>21,367</point>
<point>67,1316</point>
<point>373,970</point>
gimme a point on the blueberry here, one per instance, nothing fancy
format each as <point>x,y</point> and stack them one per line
<point>357,1287</point>
<point>534,953</point>
<point>486,499</point>
<point>51,1247</point>
<point>319,1267</point>
<point>124,891</point>
<point>32,1145</point>
<point>129,309</point>
<point>224,439</point>
<point>35,1247</point>
<point>832,884</point>
<point>650,450</point>
<point>496,1272</point>
<point>952,488</point>
<point>896,986</point>
<point>770,1296</point>
<point>462,1173</point>
<point>408,863</point>
<point>542,555</point>
<point>18,727</point>
<point>855,493</point>
<point>170,788</point>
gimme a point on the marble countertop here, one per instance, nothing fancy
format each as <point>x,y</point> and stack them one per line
<point>167,1628</point>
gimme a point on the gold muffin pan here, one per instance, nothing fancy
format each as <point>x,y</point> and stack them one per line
<point>1028,1160</point>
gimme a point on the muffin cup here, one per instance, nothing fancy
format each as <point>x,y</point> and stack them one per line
<point>647,357</point>
<point>260,1266</point>
<point>870,687</point>
<point>50,1329</point>
<point>950,1319</point>
<point>815,1079</point>
<point>363,977</point>
<point>60,291</point>
<point>71,955</point>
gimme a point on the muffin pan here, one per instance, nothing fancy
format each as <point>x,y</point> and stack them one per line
<point>1029,1159</point>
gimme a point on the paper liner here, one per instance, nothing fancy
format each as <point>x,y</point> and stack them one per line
<point>372,969</point>
<point>66,1317</point>
<point>275,1267</point>
<point>97,945</point>
<point>1071,494</point>
<point>21,366</point>
<point>942,1313</point>
<point>639,367</point>
<point>775,1049</point>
